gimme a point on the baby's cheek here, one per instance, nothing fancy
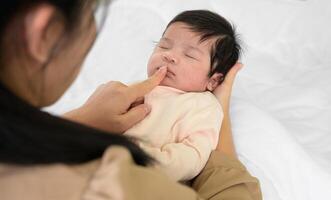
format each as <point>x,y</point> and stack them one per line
<point>150,69</point>
<point>153,63</point>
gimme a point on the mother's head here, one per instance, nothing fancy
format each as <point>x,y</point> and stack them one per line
<point>43,44</point>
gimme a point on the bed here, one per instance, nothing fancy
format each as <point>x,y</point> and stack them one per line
<point>281,105</point>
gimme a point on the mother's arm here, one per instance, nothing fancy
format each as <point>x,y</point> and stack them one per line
<point>223,94</point>
<point>224,176</point>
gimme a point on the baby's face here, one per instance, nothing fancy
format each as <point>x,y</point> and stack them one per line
<point>186,58</point>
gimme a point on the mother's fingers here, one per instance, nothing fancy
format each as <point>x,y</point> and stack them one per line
<point>225,88</point>
<point>229,79</point>
<point>140,89</point>
<point>223,91</point>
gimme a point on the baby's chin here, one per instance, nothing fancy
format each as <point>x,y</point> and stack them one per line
<point>171,83</point>
<point>168,82</point>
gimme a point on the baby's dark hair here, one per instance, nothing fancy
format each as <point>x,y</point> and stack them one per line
<point>226,50</point>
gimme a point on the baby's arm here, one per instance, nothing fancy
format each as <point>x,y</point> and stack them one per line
<point>197,137</point>
<point>184,160</point>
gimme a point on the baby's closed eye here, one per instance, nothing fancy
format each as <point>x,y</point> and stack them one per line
<point>190,56</point>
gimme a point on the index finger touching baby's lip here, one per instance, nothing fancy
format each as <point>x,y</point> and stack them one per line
<point>141,89</point>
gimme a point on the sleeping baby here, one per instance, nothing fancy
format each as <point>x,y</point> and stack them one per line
<point>198,48</point>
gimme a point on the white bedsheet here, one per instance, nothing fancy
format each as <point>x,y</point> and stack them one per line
<point>281,108</point>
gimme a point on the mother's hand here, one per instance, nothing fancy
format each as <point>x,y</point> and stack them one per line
<point>115,107</point>
<point>223,94</point>
<point>223,91</point>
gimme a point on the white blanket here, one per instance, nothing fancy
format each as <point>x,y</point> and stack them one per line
<point>282,98</point>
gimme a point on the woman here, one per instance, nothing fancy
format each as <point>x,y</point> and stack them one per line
<point>42,46</point>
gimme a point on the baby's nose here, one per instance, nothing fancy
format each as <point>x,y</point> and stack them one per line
<point>170,58</point>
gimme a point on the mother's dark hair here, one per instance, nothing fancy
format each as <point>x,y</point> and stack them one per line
<point>31,136</point>
<point>13,9</point>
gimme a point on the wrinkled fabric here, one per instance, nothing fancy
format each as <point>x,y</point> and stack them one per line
<point>181,130</point>
<point>117,177</point>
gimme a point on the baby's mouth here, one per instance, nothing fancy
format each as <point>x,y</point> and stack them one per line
<point>170,73</point>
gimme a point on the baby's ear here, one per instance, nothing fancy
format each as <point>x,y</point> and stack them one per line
<point>214,81</point>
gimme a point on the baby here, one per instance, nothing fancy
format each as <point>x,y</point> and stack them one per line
<point>198,48</point>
